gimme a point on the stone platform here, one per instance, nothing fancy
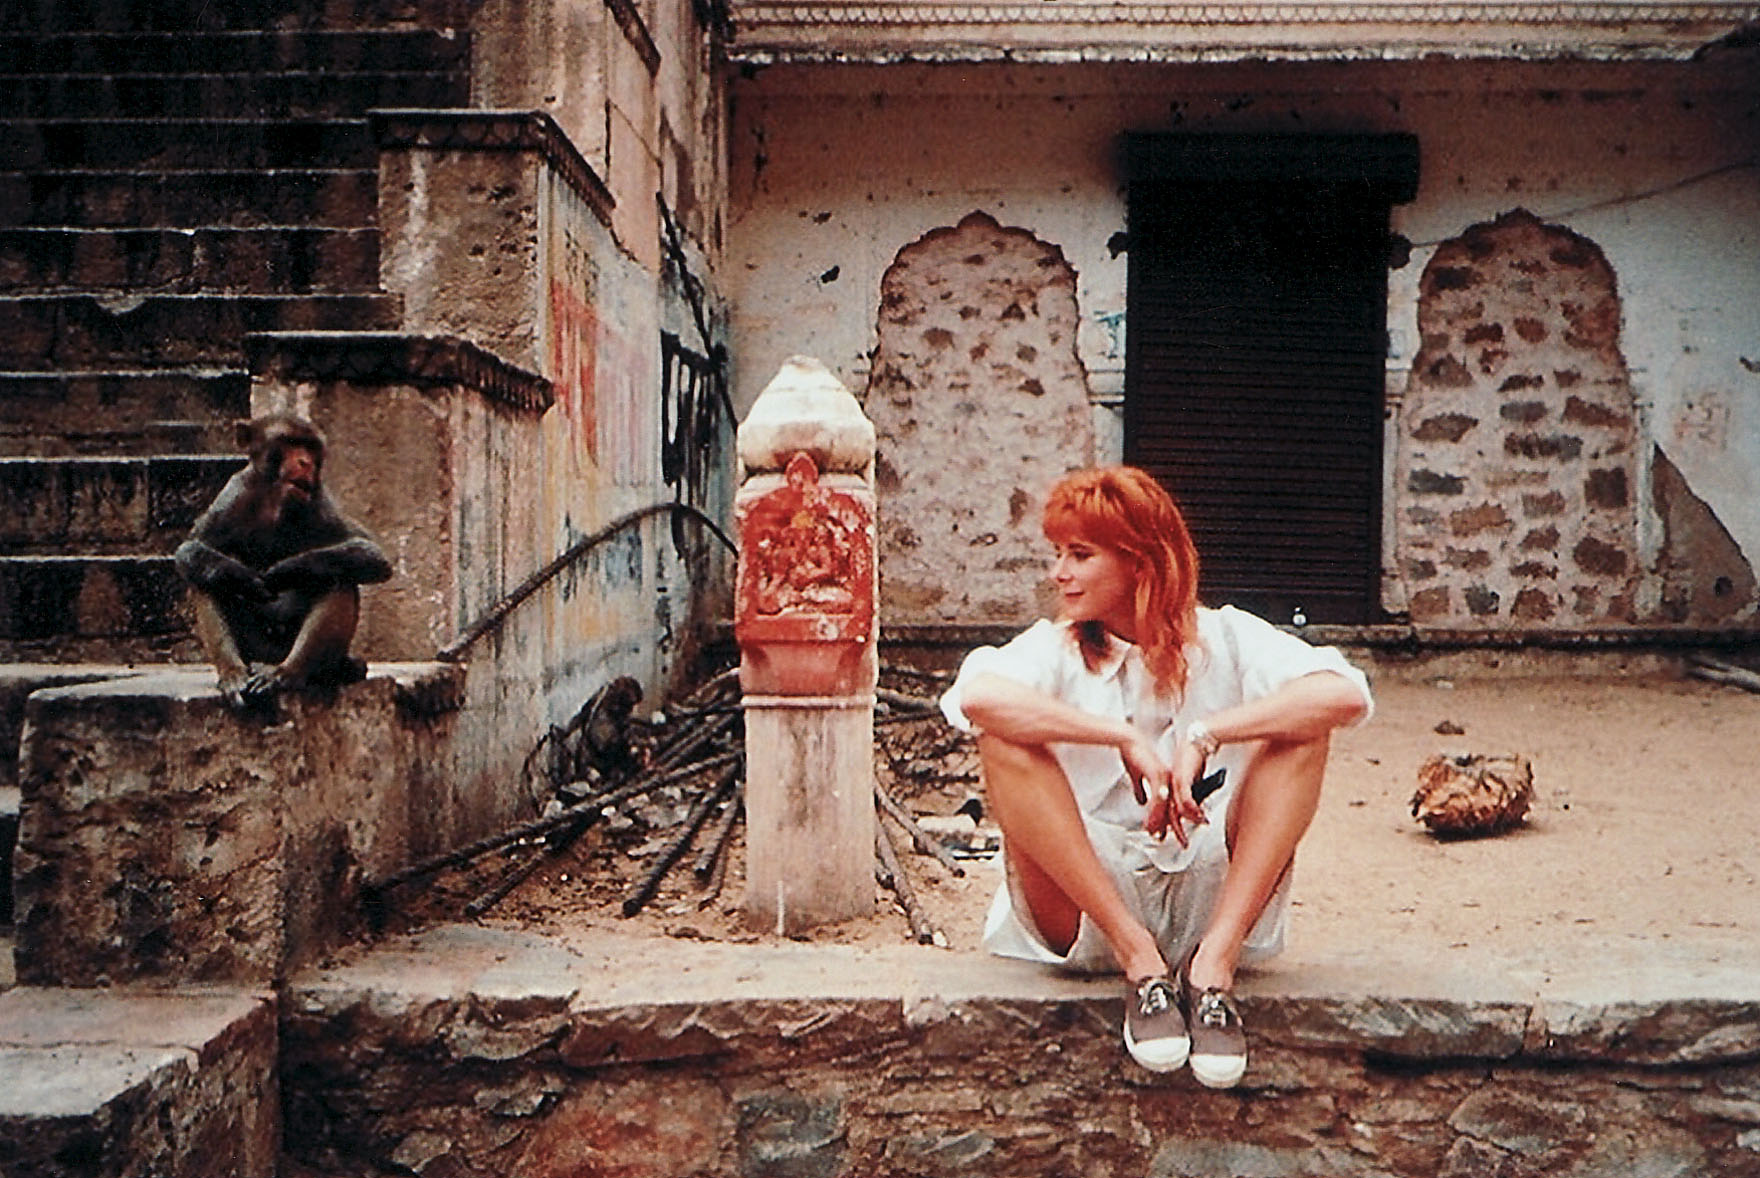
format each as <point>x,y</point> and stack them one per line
<point>122,1082</point>
<point>480,1051</point>
<point>1578,998</point>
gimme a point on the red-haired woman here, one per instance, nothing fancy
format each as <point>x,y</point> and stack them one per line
<point>1093,731</point>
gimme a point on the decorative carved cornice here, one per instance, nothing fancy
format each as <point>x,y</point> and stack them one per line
<point>496,130</point>
<point>378,358</point>
<point>1076,30</point>
<point>1110,12</point>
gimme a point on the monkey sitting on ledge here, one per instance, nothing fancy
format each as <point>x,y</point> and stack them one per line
<point>276,571</point>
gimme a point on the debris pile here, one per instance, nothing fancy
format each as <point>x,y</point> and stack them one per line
<point>656,790</point>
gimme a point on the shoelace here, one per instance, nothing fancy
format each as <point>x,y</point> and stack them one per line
<point>1214,1010</point>
<point>1154,996</point>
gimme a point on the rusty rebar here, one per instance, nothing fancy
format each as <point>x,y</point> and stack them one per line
<point>895,878</point>
<point>712,854</point>
<point>926,842</point>
<point>515,875</point>
<point>650,882</point>
<point>587,808</point>
<point>691,738</point>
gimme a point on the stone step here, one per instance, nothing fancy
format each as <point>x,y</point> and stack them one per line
<point>162,144</point>
<point>230,849</point>
<point>188,411</point>
<point>176,1083</point>
<point>252,51</point>
<point>61,608</point>
<point>106,506</point>
<point>338,197</point>
<point>597,1052</point>
<point>17,681</point>
<point>50,16</point>
<point>293,259</point>
<point>313,93</point>
<point>90,333</point>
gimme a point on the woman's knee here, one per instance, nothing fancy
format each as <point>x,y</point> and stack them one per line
<point>1006,759</point>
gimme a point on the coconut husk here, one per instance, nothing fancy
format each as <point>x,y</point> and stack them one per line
<point>1470,794</point>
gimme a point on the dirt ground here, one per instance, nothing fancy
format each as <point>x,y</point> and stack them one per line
<point>1643,846</point>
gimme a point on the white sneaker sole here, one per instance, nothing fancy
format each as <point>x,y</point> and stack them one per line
<point>1219,1071</point>
<point>1159,1055</point>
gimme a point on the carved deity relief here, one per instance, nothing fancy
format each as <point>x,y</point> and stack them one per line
<point>806,562</point>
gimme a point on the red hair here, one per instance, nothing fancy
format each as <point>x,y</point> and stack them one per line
<point>1124,509</point>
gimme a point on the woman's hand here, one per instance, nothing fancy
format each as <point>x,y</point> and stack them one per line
<point>1165,788</point>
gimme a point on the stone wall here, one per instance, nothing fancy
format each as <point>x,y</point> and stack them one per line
<point>124,1082</point>
<point>163,837</point>
<point>977,360</point>
<point>1650,164</point>
<point>1518,462</point>
<point>552,1059</point>
<point>500,232</point>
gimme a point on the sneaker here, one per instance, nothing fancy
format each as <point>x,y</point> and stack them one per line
<point>1154,1029</point>
<point>1218,1037</point>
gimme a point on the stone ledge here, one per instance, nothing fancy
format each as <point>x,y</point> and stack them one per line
<point>172,1083</point>
<point>653,999</point>
<point>504,1052</point>
<point>376,358</point>
<point>229,848</point>
<point>496,130</point>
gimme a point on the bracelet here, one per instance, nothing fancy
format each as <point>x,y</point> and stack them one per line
<point>1199,736</point>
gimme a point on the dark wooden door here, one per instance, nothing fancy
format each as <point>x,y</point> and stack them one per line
<point>1254,381</point>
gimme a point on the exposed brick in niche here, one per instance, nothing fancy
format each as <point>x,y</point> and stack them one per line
<point>1542,446</point>
<point>979,401</point>
<point>1428,482</point>
<point>1607,489</point>
<point>1534,605</point>
<point>1519,407</point>
<point>1598,556</point>
<point>1580,412</point>
<point>1544,539</point>
<point>1444,427</point>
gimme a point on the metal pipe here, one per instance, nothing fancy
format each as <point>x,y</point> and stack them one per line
<point>498,612</point>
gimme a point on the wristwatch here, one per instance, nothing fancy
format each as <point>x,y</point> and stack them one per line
<point>1199,736</point>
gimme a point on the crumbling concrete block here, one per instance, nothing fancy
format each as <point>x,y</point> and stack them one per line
<point>163,836</point>
<point>171,1084</point>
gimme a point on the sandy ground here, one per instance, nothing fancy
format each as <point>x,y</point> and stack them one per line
<point>1642,852</point>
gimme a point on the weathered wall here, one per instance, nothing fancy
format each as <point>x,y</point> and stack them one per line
<point>478,1052</point>
<point>539,237</point>
<point>163,837</point>
<point>976,357</point>
<point>1517,457</point>
<point>834,170</point>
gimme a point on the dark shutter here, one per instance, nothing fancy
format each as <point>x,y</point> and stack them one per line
<point>1255,347</point>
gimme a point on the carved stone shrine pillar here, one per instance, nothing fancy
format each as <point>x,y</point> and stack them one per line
<point>805,621</point>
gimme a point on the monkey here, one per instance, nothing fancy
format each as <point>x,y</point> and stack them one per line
<point>275,570</point>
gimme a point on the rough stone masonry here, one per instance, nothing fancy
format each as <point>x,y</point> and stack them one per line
<point>1518,456</point>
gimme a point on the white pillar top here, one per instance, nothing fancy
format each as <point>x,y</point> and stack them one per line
<point>805,407</point>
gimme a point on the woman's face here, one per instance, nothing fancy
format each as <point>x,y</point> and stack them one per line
<point>1095,584</point>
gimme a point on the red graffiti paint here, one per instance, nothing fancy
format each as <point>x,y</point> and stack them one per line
<point>574,342</point>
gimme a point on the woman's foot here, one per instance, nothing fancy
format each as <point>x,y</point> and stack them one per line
<point>1218,1038</point>
<point>1154,1029</point>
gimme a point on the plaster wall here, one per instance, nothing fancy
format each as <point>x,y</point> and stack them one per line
<point>498,233</point>
<point>835,170</point>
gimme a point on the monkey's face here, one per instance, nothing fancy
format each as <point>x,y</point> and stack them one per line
<point>297,473</point>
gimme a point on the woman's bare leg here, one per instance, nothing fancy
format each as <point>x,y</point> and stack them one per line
<point>1058,872</point>
<point>1270,813</point>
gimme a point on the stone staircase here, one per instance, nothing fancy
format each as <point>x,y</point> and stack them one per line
<point>167,194</point>
<point>175,176</point>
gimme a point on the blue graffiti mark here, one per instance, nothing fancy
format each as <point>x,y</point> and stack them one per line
<point>1113,324</point>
